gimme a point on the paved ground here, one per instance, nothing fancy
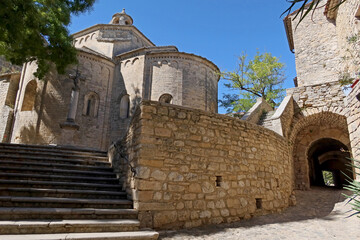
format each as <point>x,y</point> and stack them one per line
<point>321,213</point>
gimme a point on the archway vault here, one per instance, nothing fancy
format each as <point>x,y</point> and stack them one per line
<point>306,139</point>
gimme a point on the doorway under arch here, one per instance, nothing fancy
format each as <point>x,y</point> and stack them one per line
<point>329,163</point>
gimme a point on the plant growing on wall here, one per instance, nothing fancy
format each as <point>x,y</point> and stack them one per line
<point>351,60</point>
<point>37,30</point>
<point>261,76</point>
<point>354,187</point>
<point>307,6</point>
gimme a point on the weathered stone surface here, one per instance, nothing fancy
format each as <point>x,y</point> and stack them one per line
<point>212,177</point>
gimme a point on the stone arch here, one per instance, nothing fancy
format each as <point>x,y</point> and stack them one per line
<point>91,104</point>
<point>305,132</point>
<point>127,63</point>
<point>174,64</point>
<point>92,36</point>
<point>165,98</point>
<point>29,96</point>
<point>125,107</point>
<point>86,38</point>
<point>136,60</point>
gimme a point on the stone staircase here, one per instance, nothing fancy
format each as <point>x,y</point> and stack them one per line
<point>63,193</point>
<point>265,119</point>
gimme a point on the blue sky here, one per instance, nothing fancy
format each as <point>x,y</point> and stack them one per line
<point>218,30</point>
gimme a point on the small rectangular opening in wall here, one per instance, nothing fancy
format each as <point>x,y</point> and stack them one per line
<point>218,181</point>
<point>258,203</point>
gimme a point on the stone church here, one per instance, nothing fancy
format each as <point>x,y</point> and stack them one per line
<point>154,111</point>
<point>118,67</point>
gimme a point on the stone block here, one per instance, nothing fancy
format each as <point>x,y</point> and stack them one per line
<point>164,217</point>
<point>148,185</point>
<point>162,132</point>
<point>195,188</point>
<point>158,175</point>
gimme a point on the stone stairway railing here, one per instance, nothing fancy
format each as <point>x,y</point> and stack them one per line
<point>63,193</point>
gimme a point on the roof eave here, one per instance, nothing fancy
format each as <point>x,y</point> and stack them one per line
<point>289,34</point>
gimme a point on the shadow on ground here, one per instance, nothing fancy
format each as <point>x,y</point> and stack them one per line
<point>318,203</point>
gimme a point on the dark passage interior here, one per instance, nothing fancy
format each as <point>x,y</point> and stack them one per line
<point>329,163</point>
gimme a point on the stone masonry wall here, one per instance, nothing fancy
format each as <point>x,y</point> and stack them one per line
<point>320,97</point>
<point>347,26</point>
<point>42,124</point>
<point>5,110</point>
<point>353,121</point>
<point>281,120</point>
<point>190,79</point>
<point>316,54</point>
<point>194,167</point>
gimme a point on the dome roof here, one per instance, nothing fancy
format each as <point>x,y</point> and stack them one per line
<point>121,18</point>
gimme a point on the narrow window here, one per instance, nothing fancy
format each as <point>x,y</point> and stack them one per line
<point>88,107</point>
<point>91,104</point>
<point>258,203</point>
<point>218,181</point>
<point>165,98</point>
<point>125,107</point>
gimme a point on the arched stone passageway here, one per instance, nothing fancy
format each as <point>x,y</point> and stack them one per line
<point>329,162</point>
<point>315,143</point>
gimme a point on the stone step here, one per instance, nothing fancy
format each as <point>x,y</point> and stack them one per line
<point>265,117</point>
<point>60,185</point>
<point>48,177</point>
<point>10,163</point>
<point>53,154</point>
<point>19,213</point>
<point>50,148</point>
<point>53,160</point>
<point>138,235</point>
<point>62,193</point>
<point>49,202</point>
<point>68,226</point>
<point>52,171</point>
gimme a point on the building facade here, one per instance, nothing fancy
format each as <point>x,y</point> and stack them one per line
<point>155,109</point>
<point>92,104</point>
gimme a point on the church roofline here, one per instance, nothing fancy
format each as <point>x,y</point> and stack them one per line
<point>94,53</point>
<point>163,50</point>
<point>101,25</point>
<point>190,55</point>
<point>143,50</point>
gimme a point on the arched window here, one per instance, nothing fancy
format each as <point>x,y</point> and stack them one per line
<point>165,98</point>
<point>29,97</point>
<point>125,107</point>
<point>91,104</point>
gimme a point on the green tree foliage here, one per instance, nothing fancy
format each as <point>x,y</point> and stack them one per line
<point>37,30</point>
<point>262,76</point>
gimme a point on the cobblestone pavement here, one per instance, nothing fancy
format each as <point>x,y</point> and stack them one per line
<point>320,213</point>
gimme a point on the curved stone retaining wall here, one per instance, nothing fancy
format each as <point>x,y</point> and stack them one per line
<point>194,167</point>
